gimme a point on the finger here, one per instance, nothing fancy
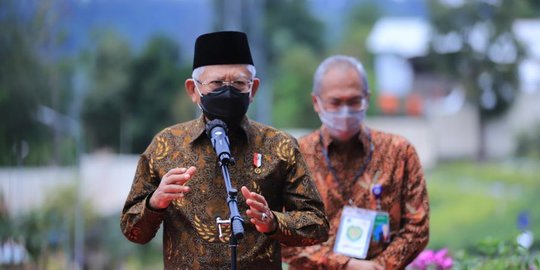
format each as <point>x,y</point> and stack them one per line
<point>253,213</point>
<point>257,197</point>
<point>175,171</point>
<point>177,179</point>
<point>191,170</point>
<point>171,196</point>
<point>261,207</point>
<point>258,222</point>
<point>175,189</point>
<point>246,192</point>
<point>188,175</point>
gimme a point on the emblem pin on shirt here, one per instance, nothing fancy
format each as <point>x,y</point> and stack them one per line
<point>257,162</point>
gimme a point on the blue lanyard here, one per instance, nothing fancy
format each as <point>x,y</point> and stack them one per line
<point>360,170</point>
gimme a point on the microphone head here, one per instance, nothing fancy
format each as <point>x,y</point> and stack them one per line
<point>215,123</point>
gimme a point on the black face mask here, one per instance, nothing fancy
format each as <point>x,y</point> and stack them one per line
<point>225,103</point>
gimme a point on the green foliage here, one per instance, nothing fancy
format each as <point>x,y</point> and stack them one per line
<point>494,254</point>
<point>21,75</point>
<point>486,64</point>
<point>292,90</point>
<point>289,23</point>
<point>31,78</point>
<point>48,228</point>
<point>528,143</point>
<point>292,41</point>
<point>155,92</point>
<point>467,199</point>
<point>132,98</point>
<point>104,237</point>
<point>360,22</point>
<point>109,76</point>
<point>48,234</point>
<point>474,45</point>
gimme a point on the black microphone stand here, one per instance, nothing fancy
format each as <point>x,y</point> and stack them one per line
<point>217,131</point>
<point>235,219</point>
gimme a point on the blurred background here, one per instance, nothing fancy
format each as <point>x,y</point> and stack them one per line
<point>85,84</point>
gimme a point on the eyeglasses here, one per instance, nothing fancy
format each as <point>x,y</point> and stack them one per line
<point>333,105</point>
<point>244,86</point>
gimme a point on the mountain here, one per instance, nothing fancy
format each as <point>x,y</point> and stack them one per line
<point>184,20</point>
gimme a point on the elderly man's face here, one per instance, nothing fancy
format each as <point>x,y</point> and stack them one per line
<point>341,102</point>
<point>341,86</point>
<point>228,73</point>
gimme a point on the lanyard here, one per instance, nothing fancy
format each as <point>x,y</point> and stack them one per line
<point>360,170</point>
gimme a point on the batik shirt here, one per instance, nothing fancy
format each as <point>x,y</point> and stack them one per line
<point>394,164</point>
<point>190,233</point>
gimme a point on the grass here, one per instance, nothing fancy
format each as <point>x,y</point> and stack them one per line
<point>471,202</point>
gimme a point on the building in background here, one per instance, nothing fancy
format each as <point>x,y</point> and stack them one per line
<point>445,125</point>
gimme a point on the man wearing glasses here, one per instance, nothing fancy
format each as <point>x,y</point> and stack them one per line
<point>179,183</point>
<point>371,182</point>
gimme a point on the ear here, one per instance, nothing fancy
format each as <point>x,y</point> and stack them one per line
<point>254,88</point>
<point>315,103</point>
<point>191,91</point>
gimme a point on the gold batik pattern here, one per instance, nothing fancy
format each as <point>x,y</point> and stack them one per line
<point>396,167</point>
<point>190,232</point>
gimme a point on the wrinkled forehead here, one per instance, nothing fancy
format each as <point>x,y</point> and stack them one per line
<point>226,71</point>
<point>342,82</point>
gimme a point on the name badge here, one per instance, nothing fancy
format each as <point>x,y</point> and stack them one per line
<point>354,232</point>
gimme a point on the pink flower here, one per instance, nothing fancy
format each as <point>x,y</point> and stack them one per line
<point>433,259</point>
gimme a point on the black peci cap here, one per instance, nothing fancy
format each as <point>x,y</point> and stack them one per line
<point>222,48</point>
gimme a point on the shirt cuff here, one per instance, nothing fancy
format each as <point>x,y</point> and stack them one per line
<point>277,225</point>
<point>147,205</point>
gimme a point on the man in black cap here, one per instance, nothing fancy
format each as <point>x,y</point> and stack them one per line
<point>178,181</point>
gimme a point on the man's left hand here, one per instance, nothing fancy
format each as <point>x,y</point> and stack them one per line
<point>258,212</point>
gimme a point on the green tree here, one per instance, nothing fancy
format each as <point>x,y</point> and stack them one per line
<point>49,229</point>
<point>104,104</point>
<point>359,24</point>
<point>133,98</point>
<point>280,32</point>
<point>155,97</point>
<point>474,45</point>
<point>29,79</point>
<point>19,95</point>
<point>295,45</point>
<point>292,89</point>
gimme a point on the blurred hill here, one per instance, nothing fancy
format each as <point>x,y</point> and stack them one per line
<point>139,20</point>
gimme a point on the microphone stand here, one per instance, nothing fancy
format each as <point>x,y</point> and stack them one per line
<point>217,131</point>
<point>235,219</point>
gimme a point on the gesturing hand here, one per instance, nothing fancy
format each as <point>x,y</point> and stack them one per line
<point>258,211</point>
<point>171,187</point>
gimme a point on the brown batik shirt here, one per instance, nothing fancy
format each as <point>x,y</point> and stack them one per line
<point>190,233</point>
<point>395,166</point>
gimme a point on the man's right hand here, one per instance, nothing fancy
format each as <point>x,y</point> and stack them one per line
<point>171,187</point>
<point>355,264</point>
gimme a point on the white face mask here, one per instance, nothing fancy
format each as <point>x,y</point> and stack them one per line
<point>344,123</point>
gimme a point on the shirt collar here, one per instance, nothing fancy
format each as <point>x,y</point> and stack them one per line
<point>198,129</point>
<point>362,137</point>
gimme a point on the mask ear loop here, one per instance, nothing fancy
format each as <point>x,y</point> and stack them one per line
<point>196,87</point>
<point>199,92</point>
<point>250,91</point>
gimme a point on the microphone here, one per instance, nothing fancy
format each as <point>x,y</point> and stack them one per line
<point>216,130</point>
